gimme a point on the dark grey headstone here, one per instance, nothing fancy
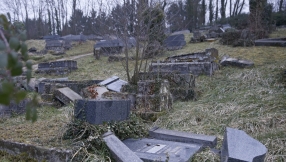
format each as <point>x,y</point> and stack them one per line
<point>119,150</point>
<point>175,42</point>
<point>99,111</point>
<point>239,147</point>
<point>159,150</point>
<point>66,95</point>
<point>13,107</point>
<point>109,80</point>
<point>228,61</point>
<point>184,137</point>
<point>117,85</point>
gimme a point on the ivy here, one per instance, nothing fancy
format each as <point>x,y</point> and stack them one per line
<point>13,58</point>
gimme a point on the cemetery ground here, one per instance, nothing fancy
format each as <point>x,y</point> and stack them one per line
<point>250,99</point>
<point>77,49</point>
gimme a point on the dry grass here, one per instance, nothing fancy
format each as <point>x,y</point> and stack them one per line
<point>251,99</point>
<point>77,49</point>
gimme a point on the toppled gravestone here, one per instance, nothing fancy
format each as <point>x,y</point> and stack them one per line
<point>185,137</point>
<point>114,83</point>
<point>100,111</point>
<point>228,61</point>
<point>159,150</point>
<point>280,42</point>
<point>13,108</point>
<point>57,67</point>
<point>66,95</point>
<point>175,42</point>
<point>194,63</point>
<point>119,150</point>
<point>47,87</point>
<point>238,146</point>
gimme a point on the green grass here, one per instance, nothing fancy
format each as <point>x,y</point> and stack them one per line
<point>251,99</point>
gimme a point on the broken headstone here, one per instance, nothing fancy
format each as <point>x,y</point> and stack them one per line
<point>119,150</point>
<point>228,61</point>
<point>66,95</point>
<point>185,137</point>
<point>238,146</point>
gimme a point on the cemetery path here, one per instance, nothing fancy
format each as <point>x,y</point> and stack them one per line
<point>35,67</point>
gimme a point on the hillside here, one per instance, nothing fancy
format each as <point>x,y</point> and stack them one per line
<point>251,99</point>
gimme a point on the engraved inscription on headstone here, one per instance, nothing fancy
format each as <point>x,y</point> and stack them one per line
<point>159,150</point>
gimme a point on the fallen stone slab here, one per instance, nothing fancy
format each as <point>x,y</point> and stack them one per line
<point>119,150</point>
<point>36,152</point>
<point>109,80</point>
<point>280,42</point>
<point>185,137</point>
<point>159,150</point>
<point>100,111</point>
<point>238,146</point>
<point>66,95</point>
<point>228,61</point>
<point>117,85</point>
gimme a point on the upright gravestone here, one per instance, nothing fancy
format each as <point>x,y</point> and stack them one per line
<point>175,42</point>
<point>100,111</point>
<point>238,147</point>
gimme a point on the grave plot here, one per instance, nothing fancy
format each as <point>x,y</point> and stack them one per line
<point>110,46</point>
<point>280,42</point>
<point>168,145</point>
<point>57,67</point>
<point>162,145</point>
<point>53,90</point>
<point>175,42</point>
<point>194,63</point>
<point>57,46</point>
<point>13,108</point>
<point>198,37</point>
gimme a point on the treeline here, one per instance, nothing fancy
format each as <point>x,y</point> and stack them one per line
<point>62,17</point>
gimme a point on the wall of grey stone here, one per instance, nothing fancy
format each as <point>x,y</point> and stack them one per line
<point>36,152</point>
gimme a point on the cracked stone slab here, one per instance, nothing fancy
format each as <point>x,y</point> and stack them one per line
<point>239,147</point>
<point>185,137</point>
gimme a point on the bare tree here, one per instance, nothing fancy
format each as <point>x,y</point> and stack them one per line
<point>216,11</point>
<point>222,8</point>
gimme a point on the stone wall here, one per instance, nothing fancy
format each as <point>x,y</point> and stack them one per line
<point>36,152</point>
